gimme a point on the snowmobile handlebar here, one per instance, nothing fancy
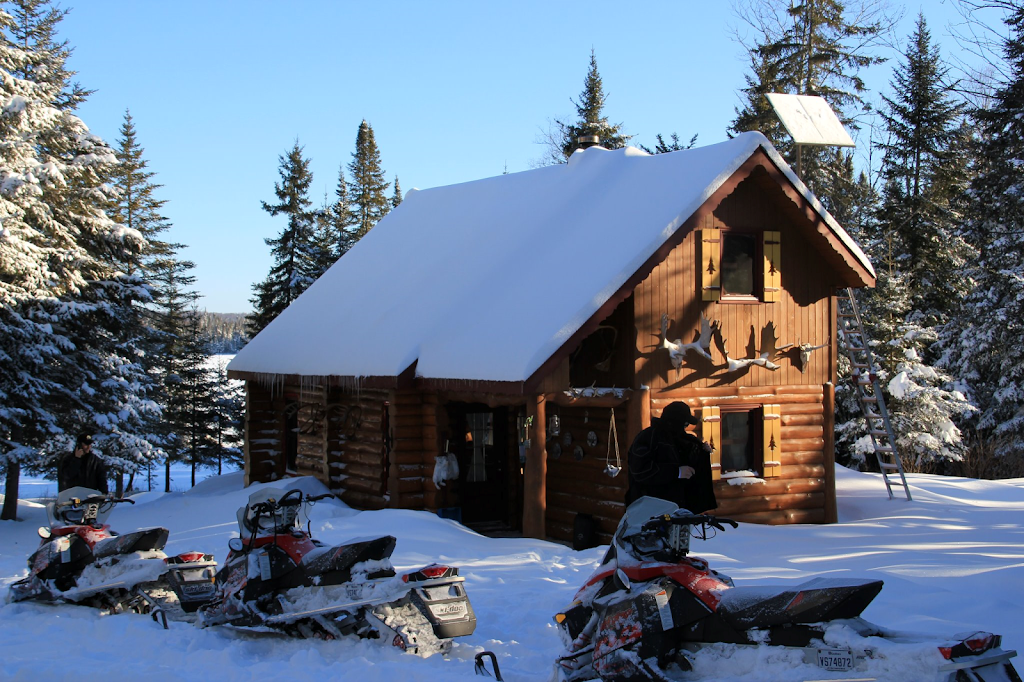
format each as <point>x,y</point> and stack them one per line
<point>291,498</point>
<point>666,520</point>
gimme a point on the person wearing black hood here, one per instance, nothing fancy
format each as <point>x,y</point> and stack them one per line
<point>82,467</point>
<point>667,461</point>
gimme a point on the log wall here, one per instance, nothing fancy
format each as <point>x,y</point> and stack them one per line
<point>264,434</point>
<point>801,493</point>
<point>354,454</point>
<point>414,420</point>
<point>581,485</point>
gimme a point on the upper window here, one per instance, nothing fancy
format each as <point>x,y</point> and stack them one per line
<point>740,265</point>
<point>739,259</point>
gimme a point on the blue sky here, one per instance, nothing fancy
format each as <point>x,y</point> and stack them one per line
<point>455,91</point>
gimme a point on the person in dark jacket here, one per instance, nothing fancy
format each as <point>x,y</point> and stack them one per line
<point>667,461</point>
<point>82,467</point>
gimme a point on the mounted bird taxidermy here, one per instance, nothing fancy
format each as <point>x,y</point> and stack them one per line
<point>677,350</point>
<point>764,357</point>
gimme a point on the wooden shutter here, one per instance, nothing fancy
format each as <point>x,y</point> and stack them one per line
<point>772,441</point>
<point>711,267</point>
<point>772,262</point>
<point>711,432</point>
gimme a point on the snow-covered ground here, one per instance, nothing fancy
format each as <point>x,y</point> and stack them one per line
<point>952,561</point>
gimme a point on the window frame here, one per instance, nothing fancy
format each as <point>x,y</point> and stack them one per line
<point>757,266</point>
<point>755,435</point>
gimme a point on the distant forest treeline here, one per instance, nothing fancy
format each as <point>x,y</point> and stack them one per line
<point>225,332</point>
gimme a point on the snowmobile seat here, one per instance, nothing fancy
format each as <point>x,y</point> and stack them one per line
<point>815,601</point>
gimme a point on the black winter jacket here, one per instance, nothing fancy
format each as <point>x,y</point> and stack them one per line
<point>654,460</point>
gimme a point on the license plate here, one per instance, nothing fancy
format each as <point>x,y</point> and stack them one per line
<point>837,660</point>
<point>201,588</point>
<point>449,611</point>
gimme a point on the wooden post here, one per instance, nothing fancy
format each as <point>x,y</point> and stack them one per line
<point>829,451</point>
<point>638,417</point>
<point>536,472</point>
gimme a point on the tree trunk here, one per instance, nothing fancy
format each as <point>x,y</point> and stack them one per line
<point>193,473</point>
<point>10,511</point>
<point>119,485</point>
<point>167,475</point>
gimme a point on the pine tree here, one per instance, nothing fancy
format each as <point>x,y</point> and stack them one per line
<point>368,189</point>
<point>817,48</point>
<point>663,147</point>
<point>985,341</point>
<point>229,416</point>
<point>342,218</point>
<point>396,197</point>
<point>197,418</point>
<point>61,315</point>
<point>290,274</point>
<point>591,121</point>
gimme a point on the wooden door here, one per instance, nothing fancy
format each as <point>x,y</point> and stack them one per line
<point>482,446</point>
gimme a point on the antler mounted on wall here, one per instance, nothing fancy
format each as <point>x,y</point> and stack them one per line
<point>677,350</point>
<point>763,358</point>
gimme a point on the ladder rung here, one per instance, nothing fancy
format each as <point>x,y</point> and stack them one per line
<point>876,432</point>
<point>885,449</point>
<point>869,399</point>
<point>860,365</point>
<point>891,467</point>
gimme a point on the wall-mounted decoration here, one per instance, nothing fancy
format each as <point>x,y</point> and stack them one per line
<point>577,453</point>
<point>554,425</point>
<point>805,353</point>
<point>763,357</point>
<point>554,450</point>
<point>567,439</point>
<point>592,439</point>
<point>677,350</point>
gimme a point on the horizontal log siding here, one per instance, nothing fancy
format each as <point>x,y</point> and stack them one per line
<point>800,493</point>
<point>801,315</point>
<point>414,414</point>
<point>264,434</point>
<point>354,447</point>
<point>575,486</point>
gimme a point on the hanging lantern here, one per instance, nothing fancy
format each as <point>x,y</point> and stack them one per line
<point>554,425</point>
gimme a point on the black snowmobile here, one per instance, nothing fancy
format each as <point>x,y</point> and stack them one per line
<point>649,609</point>
<point>80,560</point>
<point>277,577</point>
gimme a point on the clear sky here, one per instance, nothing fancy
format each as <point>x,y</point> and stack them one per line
<point>455,91</point>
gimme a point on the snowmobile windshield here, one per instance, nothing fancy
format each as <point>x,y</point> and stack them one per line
<point>71,508</point>
<point>265,512</point>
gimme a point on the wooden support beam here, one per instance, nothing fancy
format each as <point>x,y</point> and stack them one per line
<point>535,473</point>
<point>829,448</point>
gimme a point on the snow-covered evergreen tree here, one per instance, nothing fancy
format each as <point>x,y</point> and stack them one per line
<point>985,342</point>
<point>290,274</point>
<point>367,191</point>
<point>62,287</point>
<point>396,196</point>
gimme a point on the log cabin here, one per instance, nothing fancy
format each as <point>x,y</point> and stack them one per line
<point>490,349</point>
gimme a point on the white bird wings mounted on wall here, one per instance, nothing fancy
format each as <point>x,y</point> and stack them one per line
<point>677,350</point>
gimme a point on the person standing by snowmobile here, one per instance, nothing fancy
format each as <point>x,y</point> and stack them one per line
<point>667,461</point>
<point>82,467</point>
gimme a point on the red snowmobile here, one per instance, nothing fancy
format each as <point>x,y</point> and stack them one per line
<point>80,560</point>
<point>649,608</point>
<point>277,577</point>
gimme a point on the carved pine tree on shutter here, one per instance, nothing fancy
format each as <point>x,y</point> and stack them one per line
<point>772,441</point>
<point>711,432</point>
<point>772,261</point>
<point>711,268</point>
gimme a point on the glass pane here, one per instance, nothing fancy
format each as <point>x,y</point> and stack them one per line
<point>736,450</point>
<point>738,251</point>
<point>482,431</point>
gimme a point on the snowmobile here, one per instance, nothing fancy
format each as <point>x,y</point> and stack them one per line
<point>276,577</point>
<point>81,561</point>
<point>650,608</point>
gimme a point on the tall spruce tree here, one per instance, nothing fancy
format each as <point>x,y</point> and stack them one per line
<point>817,47</point>
<point>591,120</point>
<point>64,315</point>
<point>368,191</point>
<point>985,340</point>
<point>396,196</point>
<point>290,274</point>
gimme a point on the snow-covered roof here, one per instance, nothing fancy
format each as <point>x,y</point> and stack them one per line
<point>486,280</point>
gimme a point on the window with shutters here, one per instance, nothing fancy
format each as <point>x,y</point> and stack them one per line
<point>743,438</point>
<point>740,266</point>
